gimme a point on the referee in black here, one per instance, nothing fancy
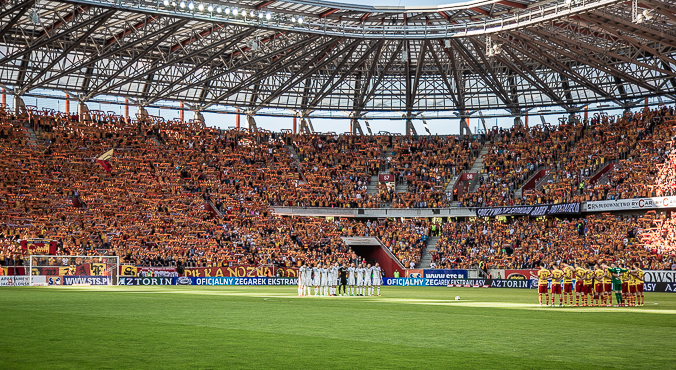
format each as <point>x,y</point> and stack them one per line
<point>342,275</point>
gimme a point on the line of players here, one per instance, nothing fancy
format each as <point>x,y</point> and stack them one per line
<point>359,280</point>
<point>593,286</point>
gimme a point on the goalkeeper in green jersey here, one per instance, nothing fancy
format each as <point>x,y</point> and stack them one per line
<point>615,273</point>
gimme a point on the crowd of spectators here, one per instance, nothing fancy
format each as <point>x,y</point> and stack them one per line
<point>179,193</point>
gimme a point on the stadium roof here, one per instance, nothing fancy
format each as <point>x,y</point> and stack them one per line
<point>307,55</point>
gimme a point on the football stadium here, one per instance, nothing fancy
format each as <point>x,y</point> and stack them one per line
<point>314,184</point>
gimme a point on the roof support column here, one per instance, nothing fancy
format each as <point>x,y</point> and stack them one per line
<point>83,112</point>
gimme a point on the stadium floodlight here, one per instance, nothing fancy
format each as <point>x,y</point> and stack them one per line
<point>210,8</point>
<point>293,19</point>
<point>200,7</point>
<point>252,14</point>
<point>300,20</point>
<point>182,4</point>
<point>268,16</point>
<point>235,12</point>
<point>261,15</point>
<point>166,2</point>
<point>191,5</point>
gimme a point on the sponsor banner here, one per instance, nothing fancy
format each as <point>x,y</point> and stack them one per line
<point>241,271</point>
<point>240,281</point>
<point>660,287</point>
<point>85,279</point>
<point>631,204</point>
<point>521,274</point>
<point>534,211</point>
<point>657,276</point>
<point>491,283</point>
<point>445,274</point>
<point>476,283</point>
<point>416,282</point>
<point>39,246</point>
<point>14,281</point>
<point>146,280</point>
<point>414,273</point>
<point>386,177</point>
<point>54,280</point>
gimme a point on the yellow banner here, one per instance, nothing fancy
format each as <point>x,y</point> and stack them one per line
<point>128,270</point>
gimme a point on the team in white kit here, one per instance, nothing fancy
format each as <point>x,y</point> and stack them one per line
<point>361,280</point>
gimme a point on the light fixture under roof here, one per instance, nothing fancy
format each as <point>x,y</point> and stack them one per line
<point>210,8</point>
<point>182,4</point>
<point>200,7</point>
<point>300,20</point>
<point>191,5</point>
<point>166,2</point>
<point>268,16</point>
<point>293,19</point>
<point>235,12</point>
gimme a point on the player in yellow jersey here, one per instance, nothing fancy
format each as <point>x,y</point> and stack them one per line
<point>588,285</point>
<point>624,278</point>
<point>543,276</point>
<point>568,275</point>
<point>599,273</point>
<point>631,296</point>
<point>580,274</point>
<point>557,274</point>
<point>640,280</point>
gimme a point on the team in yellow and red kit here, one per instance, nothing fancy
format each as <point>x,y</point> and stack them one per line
<point>594,285</point>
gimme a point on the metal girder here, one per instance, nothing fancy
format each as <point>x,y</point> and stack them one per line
<point>99,89</point>
<point>101,19</point>
<point>386,70</point>
<point>115,48</point>
<point>418,71</point>
<point>495,86</point>
<point>559,67</point>
<point>324,91</point>
<point>316,62</point>
<point>631,40</point>
<point>229,42</point>
<point>361,93</point>
<point>533,79</point>
<point>559,39</point>
<point>51,39</point>
<point>442,73</point>
<point>593,62</point>
<point>23,8</point>
<point>263,73</point>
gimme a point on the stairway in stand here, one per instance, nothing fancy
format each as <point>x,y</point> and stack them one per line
<point>431,246</point>
<point>32,138</point>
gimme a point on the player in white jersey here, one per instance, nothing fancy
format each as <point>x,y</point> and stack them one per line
<point>351,279</point>
<point>360,279</point>
<point>334,278</point>
<point>308,281</point>
<point>367,280</point>
<point>301,280</point>
<point>377,278</point>
<point>324,288</point>
<point>316,281</point>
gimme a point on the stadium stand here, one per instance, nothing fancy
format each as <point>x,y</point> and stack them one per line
<point>179,193</point>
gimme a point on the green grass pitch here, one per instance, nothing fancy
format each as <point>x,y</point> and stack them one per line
<point>270,327</point>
